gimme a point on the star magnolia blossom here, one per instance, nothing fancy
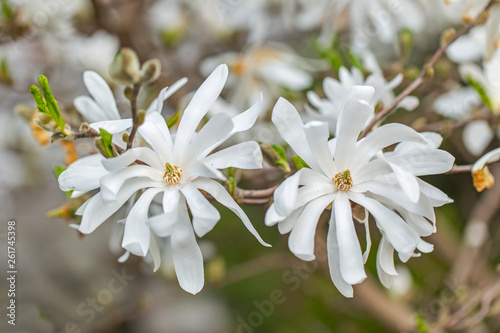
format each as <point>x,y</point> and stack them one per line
<point>173,171</point>
<point>346,170</point>
<point>264,67</point>
<point>336,91</point>
<point>101,110</point>
<point>470,11</point>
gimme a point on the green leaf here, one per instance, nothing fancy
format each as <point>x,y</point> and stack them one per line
<point>107,142</point>
<point>299,162</point>
<point>275,155</point>
<point>58,169</point>
<point>172,121</point>
<point>231,183</point>
<point>481,91</point>
<point>51,102</point>
<point>40,102</point>
<point>6,9</point>
<point>421,324</point>
<point>280,151</point>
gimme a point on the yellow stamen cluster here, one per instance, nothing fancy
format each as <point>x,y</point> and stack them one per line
<point>172,174</point>
<point>343,180</point>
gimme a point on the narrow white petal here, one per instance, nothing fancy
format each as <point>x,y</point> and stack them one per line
<point>221,195</point>
<point>286,225</point>
<point>205,216</point>
<point>245,155</point>
<point>301,240</point>
<point>113,182</point>
<point>334,260</point>
<point>350,256</point>
<point>155,131</point>
<point>102,94</point>
<point>136,237</point>
<point>289,124</point>
<point>187,257</point>
<point>476,136</point>
<point>165,93</point>
<point>352,120</point>
<point>407,181</point>
<point>317,136</point>
<point>382,137</point>
<point>199,105</point>
<point>89,109</point>
<point>207,139</point>
<point>112,126</point>
<point>162,225</point>
<point>143,154</point>
<point>154,250</point>
<point>385,256</point>
<point>83,175</point>
<point>399,234</point>
<point>272,217</point>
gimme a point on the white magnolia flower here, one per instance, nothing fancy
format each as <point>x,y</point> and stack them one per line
<point>173,171</point>
<point>336,92</point>
<point>342,171</point>
<point>461,102</point>
<point>100,109</point>
<point>263,67</point>
<point>470,10</point>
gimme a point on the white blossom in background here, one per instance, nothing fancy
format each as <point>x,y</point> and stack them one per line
<point>346,170</point>
<point>263,68</point>
<point>101,110</point>
<point>174,171</point>
<point>461,102</point>
<point>336,91</point>
<point>483,39</point>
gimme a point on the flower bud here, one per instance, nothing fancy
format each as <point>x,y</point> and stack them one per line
<point>125,68</point>
<point>150,71</point>
<point>447,35</point>
<point>141,116</point>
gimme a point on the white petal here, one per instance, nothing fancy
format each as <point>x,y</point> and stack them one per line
<point>157,104</point>
<point>317,136</point>
<point>286,76</point>
<point>350,256</point>
<point>285,196</point>
<point>83,175</point>
<point>290,126</point>
<point>221,195</point>
<point>409,103</point>
<point>112,126</point>
<point>245,155</point>
<point>272,217</point>
<point>199,105</point>
<point>97,210</point>
<point>286,225</point>
<point>102,94</point>
<point>382,137</point>
<point>334,260</point>
<point>154,250</point>
<point>136,237</point>
<point>155,131</point>
<point>163,224</point>
<point>205,216</point>
<point>477,135</point>
<point>187,257</point>
<point>207,139</point>
<point>246,119</point>
<point>350,123</point>
<point>143,154</point>
<point>301,240</point>
<point>112,182</point>
<point>402,238</point>
<point>89,109</point>
<point>385,256</point>
<point>407,181</point>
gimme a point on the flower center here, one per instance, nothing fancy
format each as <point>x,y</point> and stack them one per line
<point>343,180</point>
<point>172,174</point>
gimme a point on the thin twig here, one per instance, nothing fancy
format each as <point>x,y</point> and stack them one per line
<point>135,119</point>
<point>426,73</point>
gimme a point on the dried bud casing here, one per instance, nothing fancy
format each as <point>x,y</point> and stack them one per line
<point>125,68</point>
<point>150,71</point>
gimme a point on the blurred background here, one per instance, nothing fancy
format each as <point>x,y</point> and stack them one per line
<point>68,282</point>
